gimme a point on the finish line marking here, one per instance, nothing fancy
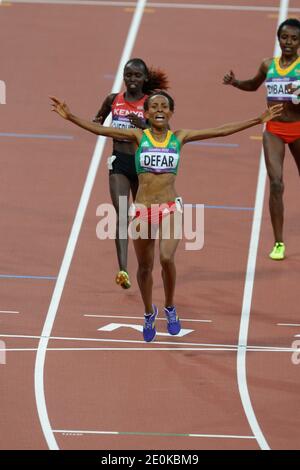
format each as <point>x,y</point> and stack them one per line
<point>120,349</point>
<point>206,349</point>
<point>228,347</point>
<point>139,318</point>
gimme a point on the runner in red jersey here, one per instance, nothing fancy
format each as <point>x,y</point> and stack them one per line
<point>127,110</point>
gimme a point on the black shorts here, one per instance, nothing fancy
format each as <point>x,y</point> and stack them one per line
<point>123,164</point>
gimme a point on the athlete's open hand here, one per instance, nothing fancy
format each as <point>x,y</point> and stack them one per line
<point>60,107</point>
<point>229,78</point>
<point>272,112</point>
<point>98,119</point>
<point>136,121</point>
<point>294,88</point>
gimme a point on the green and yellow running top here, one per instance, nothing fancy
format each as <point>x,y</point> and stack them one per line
<point>283,84</point>
<point>157,157</point>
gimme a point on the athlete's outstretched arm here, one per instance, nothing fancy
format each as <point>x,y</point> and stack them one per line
<point>186,136</point>
<point>105,109</point>
<point>63,110</point>
<point>251,84</point>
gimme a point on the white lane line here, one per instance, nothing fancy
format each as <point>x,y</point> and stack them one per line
<point>184,6</point>
<point>8,311</point>
<point>174,343</point>
<point>139,318</point>
<point>288,324</point>
<point>149,348</point>
<point>121,349</point>
<point>249,282</point>
<point>111,340</point>
<point>72,241</point>
<point>158,434</point>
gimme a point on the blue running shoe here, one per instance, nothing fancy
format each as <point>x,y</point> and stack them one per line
<point>149,330</point>
<point>174,325</point>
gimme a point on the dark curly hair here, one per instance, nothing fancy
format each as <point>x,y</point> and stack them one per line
<point>289,22</point>
<point>157,79</point>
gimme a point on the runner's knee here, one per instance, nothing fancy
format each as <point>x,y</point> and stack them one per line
<point>166,260</point>
<point>276,187</point>
<point>145,268</point>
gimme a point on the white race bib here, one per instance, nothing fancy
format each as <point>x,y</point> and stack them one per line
<point>281,89</point>
<point>159,160</point>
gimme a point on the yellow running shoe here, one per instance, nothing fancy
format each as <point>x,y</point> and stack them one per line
<point>122,279</point>
<point>278,251</point>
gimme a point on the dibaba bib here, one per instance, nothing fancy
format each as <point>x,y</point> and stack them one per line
<point>283,84</point>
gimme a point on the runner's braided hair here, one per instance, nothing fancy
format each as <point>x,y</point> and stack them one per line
<point>289,22</point>
<point>157,79</point>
